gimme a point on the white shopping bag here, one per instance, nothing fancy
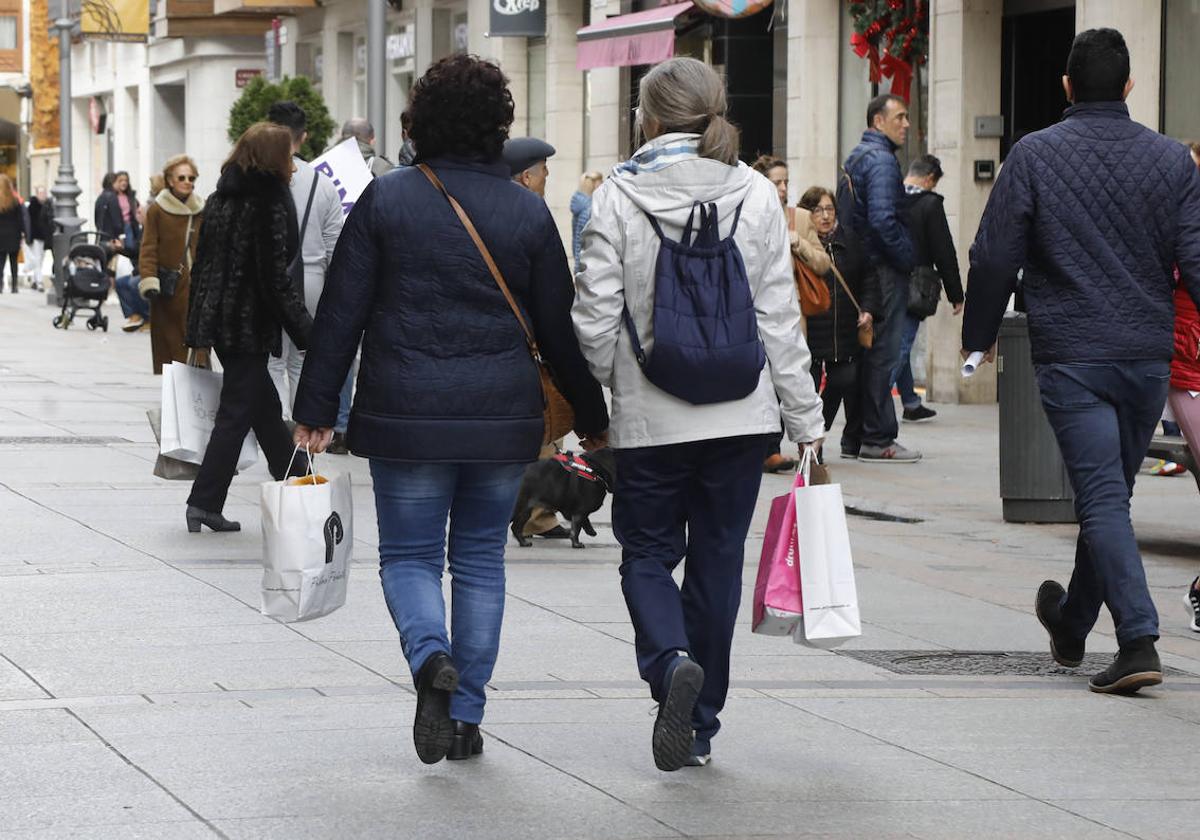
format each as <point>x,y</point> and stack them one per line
<point>308,537</point>
<point>190,399</point>
<point>830,598</point>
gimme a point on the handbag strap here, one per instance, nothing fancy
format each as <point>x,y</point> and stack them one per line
<point>845,285</point>
<point>487,258</point>
<point>312,192</point>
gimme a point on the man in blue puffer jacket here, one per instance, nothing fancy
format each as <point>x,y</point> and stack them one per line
<point>1096,210</point>
<point>877,201</point>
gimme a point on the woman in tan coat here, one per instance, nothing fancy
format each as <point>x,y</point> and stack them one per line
<point>169,243</point>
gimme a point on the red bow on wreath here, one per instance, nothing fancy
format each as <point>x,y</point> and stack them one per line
<point>865,49</point>
<point>901,74</point>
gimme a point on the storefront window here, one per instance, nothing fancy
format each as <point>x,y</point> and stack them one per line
<point>1180,71</point>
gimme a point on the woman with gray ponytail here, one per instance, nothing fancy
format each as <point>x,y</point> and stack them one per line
<point>690,443</point>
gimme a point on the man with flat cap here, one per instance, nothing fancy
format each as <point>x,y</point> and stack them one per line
<point>526,158</point>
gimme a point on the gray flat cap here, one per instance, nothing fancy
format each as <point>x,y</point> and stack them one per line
<point>520,153</point>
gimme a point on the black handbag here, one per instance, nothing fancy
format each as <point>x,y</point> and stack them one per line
<point>924,291</point>
<point>170,278</point>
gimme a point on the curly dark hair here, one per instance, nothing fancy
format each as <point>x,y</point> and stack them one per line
<point>461,106</point>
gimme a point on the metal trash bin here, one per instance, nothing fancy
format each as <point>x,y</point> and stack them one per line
<point>1034,486</point>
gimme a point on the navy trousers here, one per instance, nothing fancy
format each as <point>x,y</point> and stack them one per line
<point>689,502</point>
<point>1103,415</point>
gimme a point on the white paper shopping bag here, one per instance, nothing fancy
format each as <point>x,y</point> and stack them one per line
<point>830,598</point>
<point>308,537</point>
<point>190,399</point>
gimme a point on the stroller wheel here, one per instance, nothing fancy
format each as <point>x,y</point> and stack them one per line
<point>91,324</point>
<point>57,321</point>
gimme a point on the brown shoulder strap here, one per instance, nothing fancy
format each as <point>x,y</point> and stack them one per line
<point>845,285</point>
<point>487,258</point>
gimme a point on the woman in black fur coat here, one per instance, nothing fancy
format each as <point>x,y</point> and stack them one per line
<point>241,297</point>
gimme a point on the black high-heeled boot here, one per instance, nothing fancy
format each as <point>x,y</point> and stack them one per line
<point>467,743</point>
<point>215,521</point>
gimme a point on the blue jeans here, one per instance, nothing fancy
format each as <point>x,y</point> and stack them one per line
<point>412,502</point>
<point>345,400</point>
<point>132,303</point>
<point>880,427</point>
<point>903,375</point>
<point>1104,415</point>
<point>691,503</point>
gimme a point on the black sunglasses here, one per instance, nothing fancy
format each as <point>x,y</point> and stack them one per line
<point>190,178</point>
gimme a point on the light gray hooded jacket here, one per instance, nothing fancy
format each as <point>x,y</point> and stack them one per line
<point>618,258</point>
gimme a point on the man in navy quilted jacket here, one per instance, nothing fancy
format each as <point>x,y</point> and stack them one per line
<point>1095,211</point>
<point>876,215</point>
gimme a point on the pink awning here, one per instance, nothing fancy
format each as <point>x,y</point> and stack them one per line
<point>639,38</point>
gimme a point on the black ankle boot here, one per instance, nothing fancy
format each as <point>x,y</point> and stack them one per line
<point>467,743</point>
<point>1066,651</point>
<point>197,517</point>
<point>433,730</point>
<point>1135,666</point>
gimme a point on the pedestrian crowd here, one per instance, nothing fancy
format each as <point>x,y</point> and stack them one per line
<point>404,333</point>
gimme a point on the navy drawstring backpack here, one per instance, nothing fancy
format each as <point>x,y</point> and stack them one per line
<point>706,344</point>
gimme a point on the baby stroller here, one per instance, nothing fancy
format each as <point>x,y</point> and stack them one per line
<point>86,281</point>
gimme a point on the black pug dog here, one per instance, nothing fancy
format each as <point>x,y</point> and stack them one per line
<point>573,485</point>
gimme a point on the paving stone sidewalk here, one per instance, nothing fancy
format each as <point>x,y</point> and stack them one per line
<point>142,695</point>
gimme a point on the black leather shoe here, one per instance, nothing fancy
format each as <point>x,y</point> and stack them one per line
<point>673,734</point>
<point>1066,651</point>
<point>337,444</point>
<point>468,742</point>
<point>433,730</point>
<point>1134,667</point>
<point>197,517</point>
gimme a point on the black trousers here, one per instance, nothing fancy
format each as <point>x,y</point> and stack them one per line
<point>248,401</point>
<point>691,503</point>
<point>841,387</point>
<point>11,256</point>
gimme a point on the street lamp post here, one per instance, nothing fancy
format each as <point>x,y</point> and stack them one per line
<point>377,72</point>
<point>65,190</point>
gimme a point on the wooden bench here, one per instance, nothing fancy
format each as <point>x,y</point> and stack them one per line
<point>1175,449</point>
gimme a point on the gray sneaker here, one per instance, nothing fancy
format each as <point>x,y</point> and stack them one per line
<point>894,453</point>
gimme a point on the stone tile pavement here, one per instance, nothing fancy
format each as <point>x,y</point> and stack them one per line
<point>142,694</point>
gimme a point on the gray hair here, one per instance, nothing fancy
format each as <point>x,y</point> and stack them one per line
<point>360,128</point>
<point>683,94</point>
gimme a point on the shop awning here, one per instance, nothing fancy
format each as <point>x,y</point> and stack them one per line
<point>638,38</point>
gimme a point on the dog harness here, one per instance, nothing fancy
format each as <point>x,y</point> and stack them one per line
<point>574,464</point>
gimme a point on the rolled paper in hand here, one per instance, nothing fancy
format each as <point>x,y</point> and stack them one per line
<point>972,364</point>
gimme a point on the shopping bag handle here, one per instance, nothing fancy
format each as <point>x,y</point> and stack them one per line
<point>804,473</point>
<point>293,460</point>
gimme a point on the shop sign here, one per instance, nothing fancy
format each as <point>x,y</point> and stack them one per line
<point>733,8</point>
<point>517,19</point>
<point>243,75</point>
<point>400,44</point>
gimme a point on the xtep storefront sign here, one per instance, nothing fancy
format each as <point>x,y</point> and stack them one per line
<point>517,19</point>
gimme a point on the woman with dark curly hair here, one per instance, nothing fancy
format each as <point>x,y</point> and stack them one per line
<point>241,296</point>
<point>449,406</point>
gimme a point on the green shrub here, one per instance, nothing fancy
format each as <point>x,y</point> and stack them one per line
<point>259,95</point>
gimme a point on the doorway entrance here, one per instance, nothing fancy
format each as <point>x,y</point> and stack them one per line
<point>1035,48</point>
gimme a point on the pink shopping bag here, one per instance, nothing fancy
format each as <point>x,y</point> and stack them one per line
<point>777,603</point>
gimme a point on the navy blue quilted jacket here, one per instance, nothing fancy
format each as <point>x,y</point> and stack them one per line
<point>880,201</point>
<point>1097,210</point>
<point>445,374</point>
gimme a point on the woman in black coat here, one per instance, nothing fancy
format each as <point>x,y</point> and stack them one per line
<point>117,215</point>
<point>448,407</point>
<point>13,219</point>
<point>833,335</point>
<point>241,296</point>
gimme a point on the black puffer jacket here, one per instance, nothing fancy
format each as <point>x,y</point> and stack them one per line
<point>833,335</point>
<point>241,294</point>
<point>446,375</point>
<point>934,244</point>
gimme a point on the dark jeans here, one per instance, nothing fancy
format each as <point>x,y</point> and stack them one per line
<point>688,502</point>
<point>903,375</point>
<point>248,401</point>
<point>880,427</point>
<point>131,300</point>
<point>841,388</point>
<point>1104,415</point>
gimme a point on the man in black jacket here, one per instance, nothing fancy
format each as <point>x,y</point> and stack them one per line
<point>1095,212</point>
<point>934,248</point>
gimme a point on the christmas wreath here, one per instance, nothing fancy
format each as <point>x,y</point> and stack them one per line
<point>893,35</point>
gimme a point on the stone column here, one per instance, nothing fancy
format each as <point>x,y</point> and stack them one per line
<point>602,91</point>
<point>965,70</point>
<point>564,108</point>
<point>1140,21</point>
<point>812,91</point>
